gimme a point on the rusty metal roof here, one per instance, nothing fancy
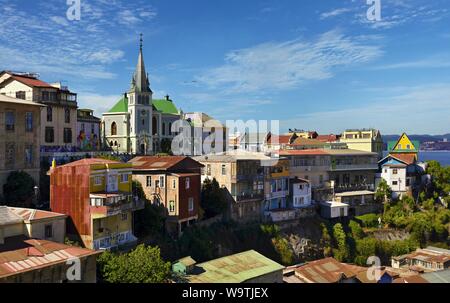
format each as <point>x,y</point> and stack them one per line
<point>20,254</point>
<point>7,216</point>
<point>28,214</point>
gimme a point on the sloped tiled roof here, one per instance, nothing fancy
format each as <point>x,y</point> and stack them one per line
<point>33,82</point>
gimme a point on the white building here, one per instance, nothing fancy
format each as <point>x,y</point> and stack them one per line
<point>301,193</point>
<point>333,209</point>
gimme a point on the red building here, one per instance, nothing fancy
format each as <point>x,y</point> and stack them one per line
<point>173,181</point>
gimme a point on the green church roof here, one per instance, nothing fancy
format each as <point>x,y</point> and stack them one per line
<point>165,106</point>
<point>121,106</point>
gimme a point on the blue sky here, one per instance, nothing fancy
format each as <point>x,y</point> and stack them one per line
<point>311,64</point>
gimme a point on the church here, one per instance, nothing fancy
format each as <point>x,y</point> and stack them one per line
<point>138,124</point>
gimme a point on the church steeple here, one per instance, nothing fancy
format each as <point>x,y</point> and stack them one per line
<point>140,82</point>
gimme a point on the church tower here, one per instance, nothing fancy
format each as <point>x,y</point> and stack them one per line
<point>140,109</point>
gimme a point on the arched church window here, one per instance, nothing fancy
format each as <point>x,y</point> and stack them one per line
<point>113,129</point>
<point>170,128</point>
<point>164,129</point>
<point>155,126</point>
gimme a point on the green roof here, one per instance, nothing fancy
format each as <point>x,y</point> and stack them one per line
<point>121,106</point>
<point>392,144</point>
<point>165,106</point>
<point>236,268</point>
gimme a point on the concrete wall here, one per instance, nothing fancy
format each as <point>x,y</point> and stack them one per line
<point>37,229</point>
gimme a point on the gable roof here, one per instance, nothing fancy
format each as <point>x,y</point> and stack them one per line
<point>7,216</point>
<point>281,139</point>
<point>163,162</point>
<point>165,106</point>
<point>90,161</point>
<point>29,214</point>
<point>392,145</point>
<point>29,81</point>
<point>394,159</point>
<point>121,106</point>
<point>327,138</point>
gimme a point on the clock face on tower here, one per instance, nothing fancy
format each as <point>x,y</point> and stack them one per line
<point>143,112</point>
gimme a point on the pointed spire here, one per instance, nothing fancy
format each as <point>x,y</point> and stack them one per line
<point>140,82</point>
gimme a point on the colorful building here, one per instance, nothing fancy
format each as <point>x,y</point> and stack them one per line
<point>404,146</point>
<point>97,196</point>
<point>88,130</point>
<point>368,140</point>
<point>172,181</point>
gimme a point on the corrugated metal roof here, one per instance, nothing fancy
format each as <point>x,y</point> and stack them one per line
<point>236,268</point>
<point>7,216</point>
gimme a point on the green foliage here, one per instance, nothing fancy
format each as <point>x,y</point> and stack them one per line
<point>166,146</point>
<point>342,253</point>
<point>365,248</point>
<point>271,229</point>
<point>283,248</point>
<point>440,178</point>
<point>356,230</point>
<point>368,220</point>
<point>213,198</point>
<point>383,193</point>
<point>18,190</point>
<point>326,241</point>
<point>142,265</point>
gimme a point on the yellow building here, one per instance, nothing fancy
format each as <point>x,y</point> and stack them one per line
<point>368,140</point>
<point>97,195</point>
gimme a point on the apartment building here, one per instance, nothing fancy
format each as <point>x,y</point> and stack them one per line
<point>96,194</point>
<point>368,140</point>
<point>20,122</point>
<point>172,181</point>
<point>58,119</point>
<point>278,205</point>
<point>241,173</point>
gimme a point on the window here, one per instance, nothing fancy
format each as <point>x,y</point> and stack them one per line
<point>149,181</point>
<point>10,120</point>
<point>67,135</point>
<point>191,204</point>
<point>174,183</point>
<point>29,155</point>
<point>408,182</point>
<point>29,122</point>
<point>49,135</point>
<point>172,206</point>
<point>208,169</point>
<point>98,180</point>
<point>67,115</point>
<point>48,231</point>
<point>408,146</point>
<point>170,128</point>
<point>394,182</point>
<point>395,171</point>
<point>224,170</point>
<point>10,154</point>
<point>124,216</point>
<point>188,183</point>
<point>124,178</point>
<point>49,114</point>
<point>92,128</point>
<point>20,95</point>
<point>113,129</point>
<point>399,146</point>
<point>45,96</point>
<point>161,181</point>
<point>164,129</point>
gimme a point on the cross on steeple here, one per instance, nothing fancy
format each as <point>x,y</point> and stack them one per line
<point>140,82</point>
<point>140,40</point>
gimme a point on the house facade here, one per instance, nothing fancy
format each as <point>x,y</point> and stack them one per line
<point>241,173</point>
<point>429,259</point>
<point>96,195</point>
<point>88,130</point>
<point>58,119</point>
<point>368,140</point>
<point>20,122</point>
<point>175,183</point>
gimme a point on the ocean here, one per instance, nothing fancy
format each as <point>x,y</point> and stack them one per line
<point>442,157</point>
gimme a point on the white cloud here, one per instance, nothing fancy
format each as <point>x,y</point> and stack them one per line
<point>285,65</point>
<point>59,20</point>
<point>334,13</point>
<point>421,109</point>
<point>99,103</point>
<point>440,61</point>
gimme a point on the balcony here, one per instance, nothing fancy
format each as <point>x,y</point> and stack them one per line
<point>249,196</point>
<point>247,178</point>
<point>111,204</point>
<point>353,187</point>
<point>346,167</point>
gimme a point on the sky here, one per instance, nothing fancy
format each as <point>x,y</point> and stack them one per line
<point>311,64</point>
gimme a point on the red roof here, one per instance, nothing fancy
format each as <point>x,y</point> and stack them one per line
<point>29,214</point>
<point>406,158</point>
<point>31,81</point>
<point>282,139</point>
<point>91,161</point>
<point>161,162</point>
<point>327,138</point>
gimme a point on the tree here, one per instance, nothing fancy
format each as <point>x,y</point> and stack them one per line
<point>365,248</point>
<point>214,200</point>
<point>166,146</point>
<point>342,253</point>
<point>142,265</point>
<point>384,192</point>
<point>357,231</point>
<point>326,241</point>
<point>19,189</point>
